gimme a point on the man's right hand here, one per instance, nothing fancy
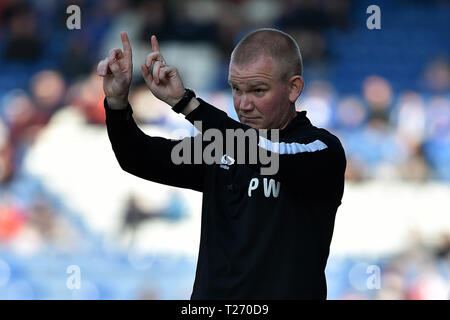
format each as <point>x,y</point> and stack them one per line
<point>117,71</point>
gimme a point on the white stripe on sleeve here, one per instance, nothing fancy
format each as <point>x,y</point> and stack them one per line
<point>291,148</point>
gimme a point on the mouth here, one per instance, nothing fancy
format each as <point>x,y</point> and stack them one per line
<point>246,118</point>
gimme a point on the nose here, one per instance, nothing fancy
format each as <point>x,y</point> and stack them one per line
<point>246,103</point>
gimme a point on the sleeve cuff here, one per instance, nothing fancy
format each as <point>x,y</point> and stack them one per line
<point>116,114</point>
<point>197,112</point>
<point>205,111</point>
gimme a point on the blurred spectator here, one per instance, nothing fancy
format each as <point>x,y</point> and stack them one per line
<point>6,155</point>
<point>24,121</point>
<point>23,40</point>
<point>415,167</point>
<point>193,21</point>
<point>378,95</point>
<point>23,117</point>
<point>157,20</point>
<point>437,75</point>
<point>316,100</point>
<point>42,217</point>
<point>351,116</point>
<point>437,145</point>
<point>410,121</point>
<point>429,285</point>
<point>136,212</point>
<point>413,274</point>
<point>337,13</point>
<point>351,113</point>
<point>147,109</point>
<point>75,63</point>
<point>230,25</point>
<point>148,293</point>
<point>261,13</point>
<point>87,96</point>
<point>357,169</point>
<point>306,20</point>
<point>392,286</point>
<point>54,228</point>
<point>305,14</point>
<point>48,89</point>
<point>12,217</point>
<point>312,44</point>
<point>134,215</point>
<point>438,119</point>
<point>43,228</point>
<point>443,248</point>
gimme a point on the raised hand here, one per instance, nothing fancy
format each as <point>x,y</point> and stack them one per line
<point>163,80</point>
<point>117,71</point>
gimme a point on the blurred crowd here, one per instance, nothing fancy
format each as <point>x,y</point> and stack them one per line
<point>391,128</point>
<point>420,272</point>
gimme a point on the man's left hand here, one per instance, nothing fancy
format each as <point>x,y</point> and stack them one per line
<point>163,80</point>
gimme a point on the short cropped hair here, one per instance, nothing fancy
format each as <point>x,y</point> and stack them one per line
<point>273,43</point>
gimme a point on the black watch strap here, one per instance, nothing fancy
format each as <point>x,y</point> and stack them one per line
<point>188,95</point>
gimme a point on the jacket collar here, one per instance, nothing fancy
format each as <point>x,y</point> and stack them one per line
<point>300,120</point>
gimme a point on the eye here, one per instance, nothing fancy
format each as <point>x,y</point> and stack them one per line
<point>260,90</point>
<point>236,89</point>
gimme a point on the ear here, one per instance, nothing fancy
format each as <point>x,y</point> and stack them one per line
<point>295,87</point>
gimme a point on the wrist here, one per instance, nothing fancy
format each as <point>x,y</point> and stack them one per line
<point>117,103</point>
<point>182,103</point>
<point>173,102</point>
<point>192,105</point>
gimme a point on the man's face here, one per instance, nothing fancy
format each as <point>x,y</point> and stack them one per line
<point>261,99</point>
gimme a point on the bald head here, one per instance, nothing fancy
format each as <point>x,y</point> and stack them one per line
<point>278,45</point>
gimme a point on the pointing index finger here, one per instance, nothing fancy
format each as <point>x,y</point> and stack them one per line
<point>125,43</point>
<point>155,45</point>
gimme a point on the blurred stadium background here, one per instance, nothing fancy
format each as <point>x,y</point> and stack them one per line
<point>64,201</point>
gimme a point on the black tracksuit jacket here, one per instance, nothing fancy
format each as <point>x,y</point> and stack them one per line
<point>266,238</point>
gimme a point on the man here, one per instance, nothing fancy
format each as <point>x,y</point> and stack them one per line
<point>262,237</point>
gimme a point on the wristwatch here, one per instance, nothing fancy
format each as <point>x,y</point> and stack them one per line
<point>180,105</point>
